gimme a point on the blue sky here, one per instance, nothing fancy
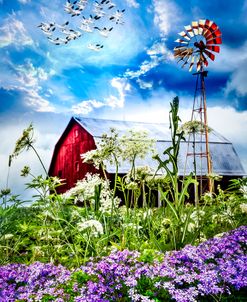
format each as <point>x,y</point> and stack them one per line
<point>133,77</point>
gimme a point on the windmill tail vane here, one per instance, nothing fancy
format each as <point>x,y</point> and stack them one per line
<point>197,44</point>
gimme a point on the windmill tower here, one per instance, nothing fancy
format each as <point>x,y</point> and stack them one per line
<point>197,43</point>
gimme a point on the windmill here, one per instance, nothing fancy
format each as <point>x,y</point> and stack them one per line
<point>198,43</point>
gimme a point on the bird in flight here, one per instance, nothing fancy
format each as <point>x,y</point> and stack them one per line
<point>86,17</point>
<point>95,47</point>
<point>104,31</point>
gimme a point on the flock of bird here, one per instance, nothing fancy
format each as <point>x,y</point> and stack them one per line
<point>104,11</point>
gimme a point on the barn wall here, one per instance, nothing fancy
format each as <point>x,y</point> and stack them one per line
<point>67,163</point>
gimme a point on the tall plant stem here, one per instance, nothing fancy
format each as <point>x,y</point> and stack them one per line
<point>40,160</point>
<point>116,176</point>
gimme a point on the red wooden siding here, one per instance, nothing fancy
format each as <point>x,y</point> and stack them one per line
<point>66,161</point>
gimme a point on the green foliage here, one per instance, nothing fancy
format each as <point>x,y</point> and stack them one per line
<point>88,221</point>
<point>174,197</point>
<point>146,287</point>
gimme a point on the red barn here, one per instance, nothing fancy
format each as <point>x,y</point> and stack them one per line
<point>83,134</point>
<point>66,160</point>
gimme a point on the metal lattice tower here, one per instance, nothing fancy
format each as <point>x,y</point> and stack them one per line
<point>198,142</point>
<point>196,44</point>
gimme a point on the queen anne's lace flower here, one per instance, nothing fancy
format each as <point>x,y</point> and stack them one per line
<point>84,191</point>
<point>243,207</point>
<point>95,227</point>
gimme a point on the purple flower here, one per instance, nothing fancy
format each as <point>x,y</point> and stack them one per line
<point>215,267</point>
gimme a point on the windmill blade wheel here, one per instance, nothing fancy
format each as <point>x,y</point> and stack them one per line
<point>197,42</point>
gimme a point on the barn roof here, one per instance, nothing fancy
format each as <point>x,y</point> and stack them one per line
<point>224,157</point>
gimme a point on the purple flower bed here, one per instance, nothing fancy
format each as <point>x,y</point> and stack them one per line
<point>214,268</point>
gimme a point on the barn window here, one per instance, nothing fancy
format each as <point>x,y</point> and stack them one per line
<point>76,133</point>
<point>77,166</point>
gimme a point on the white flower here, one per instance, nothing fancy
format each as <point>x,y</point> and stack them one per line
<point>7,236</point>
<point>166,222</point>
<point>243,189</point>
<point>132,226</point>
<point>84,189</point>
<point>92,156</point>
<point>219,235</point>
<point>95,227</point>
<point>196,216</point>
<point>108,203</point>
<point>147,214</point>
<point>208,197</point>
<point>243,207</point>
<point>191,226</point>
<point>137,297</point>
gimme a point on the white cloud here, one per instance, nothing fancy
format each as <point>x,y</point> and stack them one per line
<point>14,32</point>
<point>166,14</point>
<point>85,107</point>
<point>37,102</point>
<point>230,123</point>
<point>159,48</point>
<point>234,61</point>
<point>133,3</point>
<point>27,79</point>
<point>121,85</point>
<point>30,76</point>
<point>158,53</point>
<point>144,85</point>
<point>144,68</point>
<point>238,80</point>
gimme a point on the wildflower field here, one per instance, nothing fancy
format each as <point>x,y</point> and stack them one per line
<point>108,241</point>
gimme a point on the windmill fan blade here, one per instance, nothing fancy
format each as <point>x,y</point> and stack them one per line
<point>195,27</point>
<point>214,34</point>
<point>203,59</point>
<point>214,41</point>
<point>213,27</point>
<point>200,30</point>
<point>210,55</point>
<point>184,35</point>
<point>179,54</point>
<point>189,29</point>
<point>181,41</point>
<point>207,25</point>
<point>178,50</point>
<point>202,23</point>
<point>186,62</point>
<point>199,65</point>
<point>213,48</point>
<point>182,54</point>
<point>191,63</point>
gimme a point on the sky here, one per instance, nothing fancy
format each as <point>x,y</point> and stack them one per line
<point>133,76</point>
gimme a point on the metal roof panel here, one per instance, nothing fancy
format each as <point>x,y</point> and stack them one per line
<point>224,157</point>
